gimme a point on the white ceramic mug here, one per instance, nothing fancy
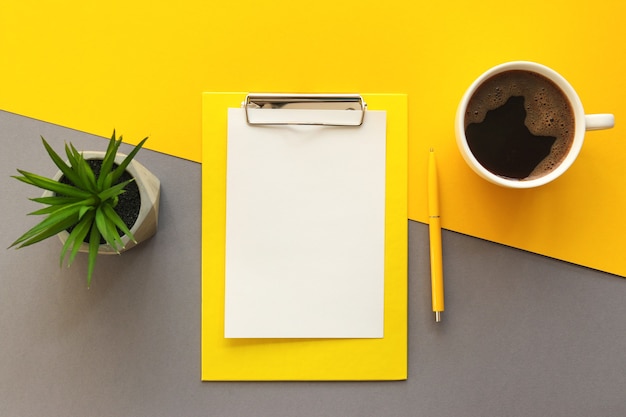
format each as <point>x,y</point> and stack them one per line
<point>582,122</point>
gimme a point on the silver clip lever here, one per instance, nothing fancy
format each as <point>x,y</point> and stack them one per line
<point>305,109</point>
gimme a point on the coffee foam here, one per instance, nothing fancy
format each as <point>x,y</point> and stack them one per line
<point>548,112</point>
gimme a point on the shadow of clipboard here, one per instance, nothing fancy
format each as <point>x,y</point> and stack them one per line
<point>302,359</point>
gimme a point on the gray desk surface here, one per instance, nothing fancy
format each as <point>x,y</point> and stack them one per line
<point>523,335</point>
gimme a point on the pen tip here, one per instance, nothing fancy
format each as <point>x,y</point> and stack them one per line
<point>437,316</point>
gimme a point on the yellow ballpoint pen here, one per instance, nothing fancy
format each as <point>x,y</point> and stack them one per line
<point>434,225</point>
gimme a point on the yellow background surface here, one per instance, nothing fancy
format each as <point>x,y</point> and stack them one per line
<point>141,66</point>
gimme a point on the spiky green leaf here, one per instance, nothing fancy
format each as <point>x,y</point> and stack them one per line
<point>91,177</point>
<point>88,203</point>
<point>108,161</point>
<point>122,167</point>
<point>88,221</point>
<point>55,200</point>
<point>94,244</point>
<point>51,185</point>
<point>114,191</point>
<point>45,233</point>
<point>113,237</point>
<point>117,221</point>
<point>65,169</point>
<point>45,210</point>
<point>86,176</point>
<point>77,154</point>
<point>107,181</point>
<point>84,210</point>
<point>70,156</point>
<point>49,223</point>
<point>107,230</point>
<point>75,239</point>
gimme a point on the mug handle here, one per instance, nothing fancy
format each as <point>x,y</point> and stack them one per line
<point>599,121</point>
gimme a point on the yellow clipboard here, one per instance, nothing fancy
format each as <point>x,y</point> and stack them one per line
<point>302,359</point>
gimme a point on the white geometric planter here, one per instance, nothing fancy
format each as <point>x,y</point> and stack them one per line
<point>149,191</point>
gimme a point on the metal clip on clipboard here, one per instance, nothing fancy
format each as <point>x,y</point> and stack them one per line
<point>305,109</point>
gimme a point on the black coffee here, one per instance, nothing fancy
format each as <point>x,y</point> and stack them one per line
<point>519,125</point>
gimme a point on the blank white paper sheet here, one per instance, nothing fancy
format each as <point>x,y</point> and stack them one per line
<point>305,229</point>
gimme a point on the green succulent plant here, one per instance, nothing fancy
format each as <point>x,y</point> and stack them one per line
<point>86,205</point>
